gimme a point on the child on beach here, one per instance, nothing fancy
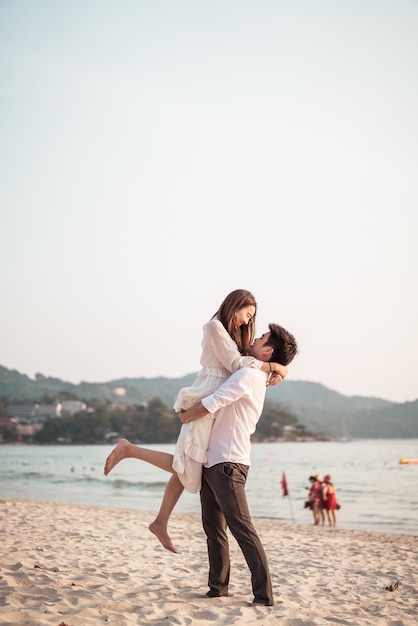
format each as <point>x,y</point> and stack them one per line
<point>226,338</point>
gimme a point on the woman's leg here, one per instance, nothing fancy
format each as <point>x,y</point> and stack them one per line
<point>159,526</point>
<point>316,514</point>
<point>127,450</point>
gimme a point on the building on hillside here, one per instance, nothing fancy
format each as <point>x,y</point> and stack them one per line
<point>27,431</point>
<point>30,418</point>
<point>73,406</point>
<point>30,413</point>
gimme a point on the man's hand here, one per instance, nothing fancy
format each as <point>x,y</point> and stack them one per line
<point>194,413</point>
<point>181,416</point>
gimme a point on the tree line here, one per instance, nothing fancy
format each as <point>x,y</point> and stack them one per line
<point>148,423</point>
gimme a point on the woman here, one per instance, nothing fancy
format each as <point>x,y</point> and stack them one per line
<point>329,496</point>
<point>316,498</point>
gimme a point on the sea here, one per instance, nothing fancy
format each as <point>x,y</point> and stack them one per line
<point>374,490</point>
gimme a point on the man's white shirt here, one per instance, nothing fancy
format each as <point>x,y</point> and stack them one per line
<point>237,405</point>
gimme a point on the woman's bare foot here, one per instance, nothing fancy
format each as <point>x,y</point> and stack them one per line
<point>118,454</point>
<point>162,535</point>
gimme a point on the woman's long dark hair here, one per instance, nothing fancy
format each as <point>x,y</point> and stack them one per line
<point>234,301</point>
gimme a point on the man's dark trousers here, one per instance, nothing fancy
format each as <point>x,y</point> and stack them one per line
<point>224,503</point>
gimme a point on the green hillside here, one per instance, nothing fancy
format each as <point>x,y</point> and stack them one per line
<point>320,409</point>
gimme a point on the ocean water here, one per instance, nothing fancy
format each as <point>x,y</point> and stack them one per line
<point>374,490</point>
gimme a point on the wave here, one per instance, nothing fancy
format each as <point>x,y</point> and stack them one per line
<point>119,483</point>
<point>52,479</point>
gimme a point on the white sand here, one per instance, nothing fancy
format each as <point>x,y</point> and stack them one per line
<point>79,566</point>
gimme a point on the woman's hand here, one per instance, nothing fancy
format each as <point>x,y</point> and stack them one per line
<point>278,373</point>
<point>274,379</point>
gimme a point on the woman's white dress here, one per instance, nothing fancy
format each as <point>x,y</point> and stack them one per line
<point>220,357</point>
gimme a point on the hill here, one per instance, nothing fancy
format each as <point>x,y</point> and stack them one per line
<point>320,409</point>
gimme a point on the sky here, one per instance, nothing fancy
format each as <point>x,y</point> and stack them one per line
<point>157,155</point>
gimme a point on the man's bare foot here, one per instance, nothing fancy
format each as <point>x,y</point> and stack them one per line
<point>118,454</point>
<point>162,535</point>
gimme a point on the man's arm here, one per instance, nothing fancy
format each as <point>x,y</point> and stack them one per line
<point>194,413</point>
<point>239,384</point>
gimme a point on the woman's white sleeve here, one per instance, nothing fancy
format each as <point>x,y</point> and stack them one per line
<point>226,350</point>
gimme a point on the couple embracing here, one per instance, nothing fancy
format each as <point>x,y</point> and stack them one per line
<point>219,413</point>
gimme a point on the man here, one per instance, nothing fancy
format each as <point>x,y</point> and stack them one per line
<point>237,406</point>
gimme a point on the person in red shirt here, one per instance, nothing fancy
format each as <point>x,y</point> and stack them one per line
<point>316,498</point>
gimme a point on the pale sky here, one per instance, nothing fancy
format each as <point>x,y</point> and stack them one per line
<point>156,155</point>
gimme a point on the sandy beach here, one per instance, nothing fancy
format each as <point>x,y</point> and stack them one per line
<point>78,565</point>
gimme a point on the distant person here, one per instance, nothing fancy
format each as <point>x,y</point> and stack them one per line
<point>236,407</point>
<point>308,503</point>
<point>227,339</point>
<point>315,496</point>
<point>329,496</point>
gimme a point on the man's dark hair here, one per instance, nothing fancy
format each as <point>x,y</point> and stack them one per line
<point>283,343</point>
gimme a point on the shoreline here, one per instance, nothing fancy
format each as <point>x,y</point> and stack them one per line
<point>257,517</point>
<point>83,565</point>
